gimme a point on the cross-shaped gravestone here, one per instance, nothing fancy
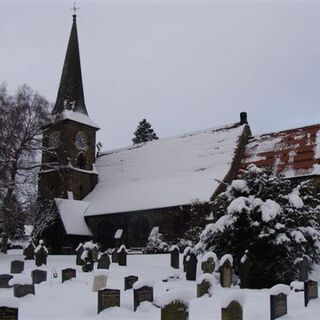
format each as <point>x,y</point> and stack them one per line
<point>104,261</point>
<point>192,268</point>
<point>17,266</point>
<point>174,257</point>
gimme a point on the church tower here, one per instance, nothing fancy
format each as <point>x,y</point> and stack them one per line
<point>69,138</point>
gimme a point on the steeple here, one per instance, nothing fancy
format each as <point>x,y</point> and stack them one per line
<point>70,93</point>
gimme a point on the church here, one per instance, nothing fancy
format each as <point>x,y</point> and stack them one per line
<point>118,196</point>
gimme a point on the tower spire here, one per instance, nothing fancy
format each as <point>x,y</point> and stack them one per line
<point>70,93</point>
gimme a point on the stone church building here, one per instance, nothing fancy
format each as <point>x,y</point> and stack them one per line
<point>129,191</point>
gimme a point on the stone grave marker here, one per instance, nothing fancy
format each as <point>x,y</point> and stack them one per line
<point>4,281</point>
<point>186,253</point>
<point>95,253</point>
<point>303,269</point>
<point>174,257</point>
<point>245,271</point>
<point>122,256</point>
<point>144,293</point>
<point>232,312</point>
<point>99,282</point>
<point>104,261</point>
<point>176,310</point>
<point>208,266</point>
<point>38,276</point>
<point>67,274</point>
<point>28,251</point>
<point>192,268</point>
<point>278,305</point>
<point>7,313</point>
<point>79,251</point>
<point>226,274</point>
<point>203,288</point>
<point>129,282</point>
<point>40,254</point>
<point>310,291</point>
<point>21,290</point>
<point>16,266</point>
<point>114,255</point>
<point>108,298</point>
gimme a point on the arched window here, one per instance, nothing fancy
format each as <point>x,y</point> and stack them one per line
<point>81,161</point>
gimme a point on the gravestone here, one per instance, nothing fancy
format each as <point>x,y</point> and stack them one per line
<point>16,266</point>
<point>129,281</point>
<point>176,310</point>
<point>95,253</point>
<point>28,252</point>
<point>108,298</point>
<point>226,274</point>
<point>40,254</point>
<point>186,256</point>
<point>232,312</point>
<point>114,255</point>
<point>192,268</point>
<point>7,313</point>
<point>67,274</point>
<point>122,256</point>
<point>79,251</point>
<point>144,293</point>
<point>278,305</point>
<point>310,291</point>
<point>38,276</point>
<point>174,255</point>
<point>245,271</point>
<point>4,281</point>
<point>203,288</point>
<point>21,290</point>
<point>208,266</point>
<point>99,282</point>
<point>88,261</point>
<point>303,269</point>
<point>104,261</point>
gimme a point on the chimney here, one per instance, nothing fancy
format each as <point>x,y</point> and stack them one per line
<point>243,118</point>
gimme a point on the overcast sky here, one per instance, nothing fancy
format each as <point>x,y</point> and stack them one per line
<point>183,65</point>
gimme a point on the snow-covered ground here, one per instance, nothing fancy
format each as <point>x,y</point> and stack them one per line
<point>75,299</point>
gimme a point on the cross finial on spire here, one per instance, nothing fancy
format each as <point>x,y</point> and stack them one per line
<point>74,9</point>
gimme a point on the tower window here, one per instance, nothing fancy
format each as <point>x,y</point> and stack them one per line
<point>81,161</point>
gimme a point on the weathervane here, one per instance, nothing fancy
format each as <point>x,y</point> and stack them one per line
<point>74,9</point>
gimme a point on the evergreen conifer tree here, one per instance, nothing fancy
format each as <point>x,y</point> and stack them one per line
<point>144,133</point>
<point>273,219</point>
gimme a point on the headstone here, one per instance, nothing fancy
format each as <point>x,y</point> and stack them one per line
<point>174,255</point>
<point>79,251</point>
<point>186,253</point>
<point>4,281</point>
<point>40,254</point>
<point>88,261</point>
<point>310,291</point>
<point>122,256</point>
<point>108,298</point>
<point>95,253</point>
<point>203,288</point>
<point>226,274</point>
<point>129,281</point>
<point>176,310</point>
<point>144,293</point>
<point>99,282</point>
<point>67,274</point>
<point>192,268</point>
<point>208,266</point>
<point>114,255</point>
<point>28,252</point>
<point>278,305</point>
<point>245,271</point>
<point>17,266</point>
<point>21,290</point>
<point>303,269</point>
<point>38,276</point>
<point>104,261</point>
<point>7,313</point>
<point>232,312</point>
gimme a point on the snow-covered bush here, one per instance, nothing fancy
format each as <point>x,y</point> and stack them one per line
<point>156,244</point>
<point>267,215</point>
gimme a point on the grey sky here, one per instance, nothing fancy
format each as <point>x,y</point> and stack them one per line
<point>184,65</point>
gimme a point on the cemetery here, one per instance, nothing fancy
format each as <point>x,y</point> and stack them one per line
<point>147,286</point>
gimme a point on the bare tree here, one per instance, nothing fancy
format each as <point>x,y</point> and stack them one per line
<point>21,118</point>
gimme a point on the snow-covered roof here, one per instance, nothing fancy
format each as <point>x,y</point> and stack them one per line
<point>165,172</point>
<point>294,152</point>
<point>72,216</point>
